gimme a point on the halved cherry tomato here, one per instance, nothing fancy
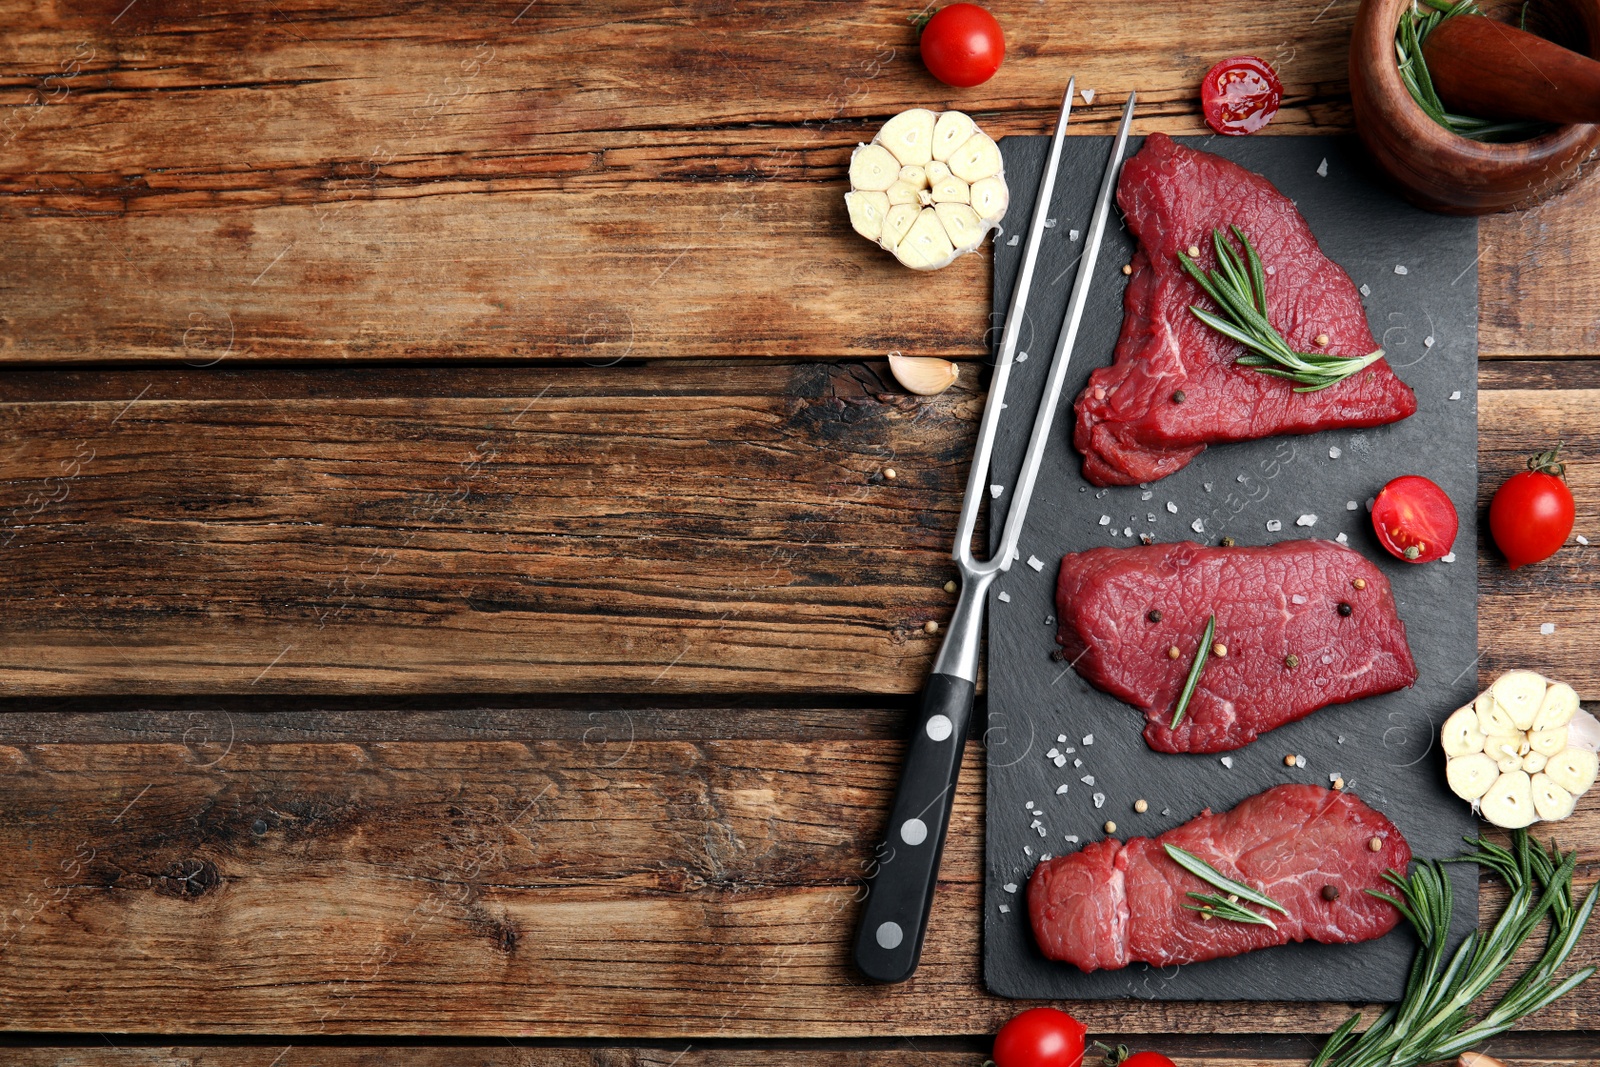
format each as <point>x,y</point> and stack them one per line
<point>1040,1037</point>
<point>962,45</point>
<point>1147,1059</point>
<point>1415,519</point>
<point>1240,95</point>
<point>1531,515</point>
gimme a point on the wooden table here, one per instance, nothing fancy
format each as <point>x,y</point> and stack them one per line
<point>453,611</point>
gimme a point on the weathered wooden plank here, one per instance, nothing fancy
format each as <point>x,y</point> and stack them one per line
<point>631,529</point>
<point>553,888</point>
<point>435,184</point>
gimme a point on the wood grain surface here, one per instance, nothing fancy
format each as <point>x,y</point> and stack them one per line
<point>202,184</point>
<point>601,883</point>
<point>633,529</point>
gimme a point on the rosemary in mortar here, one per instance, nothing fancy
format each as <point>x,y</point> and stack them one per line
<point>1422,19</point>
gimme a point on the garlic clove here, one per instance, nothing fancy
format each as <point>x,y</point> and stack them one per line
<point>1470,776</point>
<point>953,129</point>
<point>952,190</point>
<point>1550,801</point>
<point>925,246</point>
<point>896,222</point>
<point>1493,718</point>
<point>1584,731</point>
<point>1534,762</point>
<point>1548,742</point>
<point>902,193</point>
<point>961,224</point>
<point>1509,801</point>
<point>866,212</point>
<point>1505,750</point>
<point>1560,703</point>
<point>873,168</point>
<point>937,171</point>
<point>1477,1059</point>
<point>923,375</point>
<point>909,135</point>
<point>1573,769</point>
<point>915,176</point>
<point>1460,734</point>
<point>990,198</point>
<point>977,158</point>
<point>1520,693</point>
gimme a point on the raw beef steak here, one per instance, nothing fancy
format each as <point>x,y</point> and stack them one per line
<point>1132,425</point>
<point>1112,904</point>
<point>1299,635</point>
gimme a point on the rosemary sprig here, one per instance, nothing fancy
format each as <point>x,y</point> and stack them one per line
<point>1222,908</point>
<point>1434,1019</point>
<point>1201,654</point>
<point>1207,873</point>
<point>1239,288</point>
<point>1414,27</point>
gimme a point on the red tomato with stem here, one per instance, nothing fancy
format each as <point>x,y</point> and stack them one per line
<point>1147,1059</point>
<point>1415,519</point>
<point>1531,515</point>
<point>962,45</point>
<point>1240,95</point>
<point>1040,1037</point>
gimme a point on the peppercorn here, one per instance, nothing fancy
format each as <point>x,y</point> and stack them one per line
<point>1360,583</point>
<point>1141,805</point>
<point>1376,844</point>
<point>1330,893</point>
<point>1227,542</point>
<point>1345,609</point>
<point>930,627</point>
<point>1111,827</point>
<point>1291,661</point>
<point>1178,397</point>
<point>1173,653</point>
<point>1155,615</point>
<point>1219,649</point>
<point>1289,760</point>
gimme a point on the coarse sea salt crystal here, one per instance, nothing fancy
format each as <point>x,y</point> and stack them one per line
<point>1365,291</point>
<point>1150,516</point>
<point>1005,598</point>
<point>1207,487</point>
<point>1427,342</point>
<point>1099,800</point>
<point>1297,599</point>
<point>1069,750</point>
<point>1172,509</point>
<point>1045,858</point>
<point>1299,761</point>
<point>1334,453</point>
<point>1547,628</point>
<point>1399,269</point>
<point>1227,761</point>
<point>1146,495</point>
<point>1042,832</point>
<point>1105,520</point>
<point>996,490</point>
<point>1073,235</point>
<point>1060,761</point>
<point>1455,395</point>
<point>1166,811</point>
<point>1036,563</point>
<point>1005,909</point>
<point>1127,531</point>
<point>1088,739</point>
<point>1306,520</point>
<point>1071,839</point>
<point>1010,887</point>
<point>1049,223</point>
<point>1448,557</point>
<point>1052,754</point>
<point>1034,825</point>
<point>1322,169</point>
<point>1198,526</point>
<point>1062,788</point>
<point>1274,525</point>
<point>1582,540</point>
<point>1351,505</point>
<point>1087,94</point>
<point>1061,737</point>
<point>1077,763</point>
<point>1087,779</point>
<point>1342,539</point>
<point>1028,849</point>
<point>1022,357</point>
<point>1014,239</point>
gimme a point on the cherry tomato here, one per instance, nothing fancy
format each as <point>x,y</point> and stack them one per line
<point>962,45</point>
<point>1040,1037</point>
<point>1240,95</point>
<point>1415,519</point>
<point>1531,515</point>
<point>1147,1059</point>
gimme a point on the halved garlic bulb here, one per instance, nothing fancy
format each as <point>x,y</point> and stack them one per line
<point>942,185</point>
<point>1522,751</point>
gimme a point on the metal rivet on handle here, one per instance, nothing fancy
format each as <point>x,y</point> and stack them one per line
<point>913,831</point>
<point>890,935</point>
<point>939,727</point>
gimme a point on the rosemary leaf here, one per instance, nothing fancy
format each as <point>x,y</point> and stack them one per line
<point>1201,654</point>
<point>1222,908</point>
<point>1238,286</point>
<point>1207,873</point>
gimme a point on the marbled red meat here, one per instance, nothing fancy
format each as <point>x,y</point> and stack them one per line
<point>1112,904</point>
<point>1129,428</point>
<point>1271,603</point>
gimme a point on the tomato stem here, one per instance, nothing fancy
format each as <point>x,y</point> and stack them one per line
<point>1547,462</point>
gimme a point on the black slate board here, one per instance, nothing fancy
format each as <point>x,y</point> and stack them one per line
<point>1387,755</point>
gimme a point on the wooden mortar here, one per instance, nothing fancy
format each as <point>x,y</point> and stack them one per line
<point>1441,170</point>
